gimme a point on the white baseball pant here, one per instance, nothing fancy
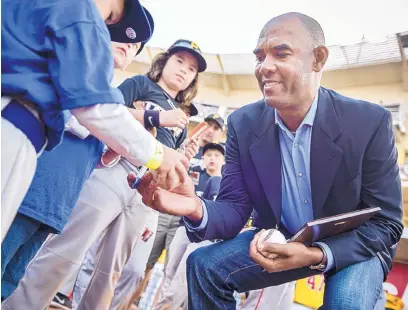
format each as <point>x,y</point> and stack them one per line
<point>106,203</point>
<point>131,276</point>
<point>18,164</point>
<point>175,295</point>
<point>177,249</point>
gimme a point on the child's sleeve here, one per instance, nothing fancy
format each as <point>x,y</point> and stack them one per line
<point>82,66</point>
<point>133,89</point>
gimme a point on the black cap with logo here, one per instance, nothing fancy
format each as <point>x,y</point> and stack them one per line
<point>192,47</point>
<point>216,118</point>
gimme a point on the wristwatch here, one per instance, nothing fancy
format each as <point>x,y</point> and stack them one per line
<point>320,266</point>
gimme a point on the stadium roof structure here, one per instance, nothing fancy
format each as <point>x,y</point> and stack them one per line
<point>340,56</point>
<point>232,75</point>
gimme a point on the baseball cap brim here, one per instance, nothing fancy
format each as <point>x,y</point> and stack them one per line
<point>219,121</point>
<point>151,23</point>
<point>214,146</point>
<point>134,27</point>
<point>202,64</point>
<point>193,110</point>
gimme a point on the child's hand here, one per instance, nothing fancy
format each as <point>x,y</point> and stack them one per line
<point>173,118</point>
<point>191,148</point>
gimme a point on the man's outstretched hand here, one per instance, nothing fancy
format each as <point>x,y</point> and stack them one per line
<point>173,169</point>
<point>180,201</point>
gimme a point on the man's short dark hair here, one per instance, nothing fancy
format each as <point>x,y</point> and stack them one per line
<point>310,24</point>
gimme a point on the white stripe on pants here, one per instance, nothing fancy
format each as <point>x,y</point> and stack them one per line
<point>105,201</point>
<point>18,164</point>
<point>132,274</point>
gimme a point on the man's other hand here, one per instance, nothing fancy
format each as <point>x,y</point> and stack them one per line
<point>275,257</point>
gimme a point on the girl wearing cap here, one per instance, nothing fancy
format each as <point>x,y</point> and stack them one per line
<point>52,194</point>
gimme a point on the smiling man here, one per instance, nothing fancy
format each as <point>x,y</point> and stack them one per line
<point>299,154</point>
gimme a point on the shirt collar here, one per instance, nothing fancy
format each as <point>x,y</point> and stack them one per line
<point>309,118</point>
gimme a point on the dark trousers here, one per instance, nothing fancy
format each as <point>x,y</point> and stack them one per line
<point>214,272</point>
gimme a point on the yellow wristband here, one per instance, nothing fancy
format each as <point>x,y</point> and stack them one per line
<point>156,160</point>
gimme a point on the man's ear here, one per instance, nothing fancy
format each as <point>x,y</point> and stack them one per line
<point>321,53</point>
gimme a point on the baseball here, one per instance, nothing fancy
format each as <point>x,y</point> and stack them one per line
<point>272,236</point>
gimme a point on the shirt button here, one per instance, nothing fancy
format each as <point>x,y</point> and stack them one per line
<point>295,145</point>
<point>306,201</point>
<point>300,174</point>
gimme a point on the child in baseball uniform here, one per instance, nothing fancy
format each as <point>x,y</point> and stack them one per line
<point>107,205</point>
<point>56,57</point>
<point>216,126</point>
<point>60,176</point>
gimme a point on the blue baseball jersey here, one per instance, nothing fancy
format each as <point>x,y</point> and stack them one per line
<point>57,55</point>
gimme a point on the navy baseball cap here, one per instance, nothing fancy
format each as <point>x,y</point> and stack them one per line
<point>214,146</point>
<point>216,118</point>
<point>193,109</point>
<point>151,23</point>
<point>191,47</point>
<point>136,25</point>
